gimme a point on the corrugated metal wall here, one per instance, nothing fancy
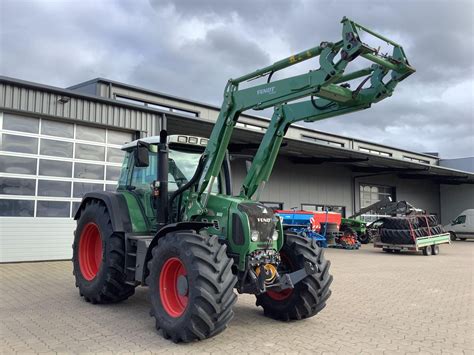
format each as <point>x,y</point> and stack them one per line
<point>44,103</point>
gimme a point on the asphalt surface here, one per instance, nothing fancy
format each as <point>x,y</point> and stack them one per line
<point>381,304</point>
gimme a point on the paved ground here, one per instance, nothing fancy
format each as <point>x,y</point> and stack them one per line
<point>381,303</point>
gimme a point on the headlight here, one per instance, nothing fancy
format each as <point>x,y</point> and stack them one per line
<point>254,236</point>
<point>275,235</point>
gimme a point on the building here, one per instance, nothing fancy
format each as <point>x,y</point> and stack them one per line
<point>56,144</point>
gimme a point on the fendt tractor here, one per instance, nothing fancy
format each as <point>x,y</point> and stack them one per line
<point>174,225</point>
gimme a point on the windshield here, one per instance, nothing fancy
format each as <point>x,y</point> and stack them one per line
<point>182,166</point>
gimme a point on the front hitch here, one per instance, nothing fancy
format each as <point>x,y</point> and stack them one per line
<point>286,281</point>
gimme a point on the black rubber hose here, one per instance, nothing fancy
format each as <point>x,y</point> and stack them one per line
<point>191,182</point>
<point>270,76</point>
<point>313,101</point>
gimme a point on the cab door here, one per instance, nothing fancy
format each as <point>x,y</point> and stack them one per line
<point>140,185</point>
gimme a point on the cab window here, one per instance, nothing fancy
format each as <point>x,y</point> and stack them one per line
<point>460,220</point>
<point>182,166</point>
<point>142,177</point>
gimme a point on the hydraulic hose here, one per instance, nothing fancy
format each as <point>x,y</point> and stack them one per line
<point>186,186</point>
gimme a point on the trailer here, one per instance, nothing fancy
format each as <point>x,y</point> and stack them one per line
<point>429,245</point>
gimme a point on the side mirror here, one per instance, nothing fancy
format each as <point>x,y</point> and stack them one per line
<point>141,155</point>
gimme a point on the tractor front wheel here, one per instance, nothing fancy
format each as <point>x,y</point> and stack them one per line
<point>309,295</point>
<point>191,286</point>
<point>364,238</point>
<point>99,257</point>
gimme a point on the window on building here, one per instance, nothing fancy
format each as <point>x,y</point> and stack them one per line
<point>17,186</point>
<point>57,129</point>
<point>55,148</point>
<point>250,126</point>
<point>416,160</point>
<point>370,194</point>
<point>20,123</point>
<point>16,208</point>
<point>322,141</point>
<point>374,151</point>
<point>18,144</point>
<point>47,166</point>
<point>162,107</point>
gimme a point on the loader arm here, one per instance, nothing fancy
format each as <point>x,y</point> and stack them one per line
<point>308,111</point>
<point>329,96</point>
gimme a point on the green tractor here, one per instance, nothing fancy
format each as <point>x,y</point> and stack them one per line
<point>356,227</point>
<point>175,225</point>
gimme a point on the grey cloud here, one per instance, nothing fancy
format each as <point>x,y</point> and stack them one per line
<point>62,43</point>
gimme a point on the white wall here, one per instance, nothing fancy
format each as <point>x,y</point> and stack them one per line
<point>24,239</point>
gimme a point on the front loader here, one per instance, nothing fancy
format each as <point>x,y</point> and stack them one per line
<point>175,226</point>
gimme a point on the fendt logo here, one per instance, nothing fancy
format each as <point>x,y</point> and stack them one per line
<point>264,220</point>
<point>270,90</point>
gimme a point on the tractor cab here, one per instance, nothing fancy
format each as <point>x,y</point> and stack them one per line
<point>139,178</point>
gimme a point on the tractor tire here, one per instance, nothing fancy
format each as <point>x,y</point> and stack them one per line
<point>364,238</point>
<point>309,295</point>
<point>99,257</point>
<point>435,249</point>
<point>185,313</point>
<point>427,251</point>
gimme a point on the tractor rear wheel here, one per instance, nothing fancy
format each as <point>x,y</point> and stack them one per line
<point>309,295</point>
<point>191,286</point>
<point>99,257</point>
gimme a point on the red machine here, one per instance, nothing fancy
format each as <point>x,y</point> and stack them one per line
<point>318,218</point>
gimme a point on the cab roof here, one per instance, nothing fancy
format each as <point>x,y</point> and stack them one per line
<point>175,138</point>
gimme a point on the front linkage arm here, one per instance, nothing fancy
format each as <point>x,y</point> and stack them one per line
<point>329,97</point>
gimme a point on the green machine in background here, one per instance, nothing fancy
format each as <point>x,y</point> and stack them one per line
<point>174,224</point>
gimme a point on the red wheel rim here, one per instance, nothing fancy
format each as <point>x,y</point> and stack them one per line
<point>282,295</point>
<point>90,251</point>
<point>173,303</point>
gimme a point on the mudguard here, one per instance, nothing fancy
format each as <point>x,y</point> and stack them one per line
<point>173,227</point>
<point>116,205</point>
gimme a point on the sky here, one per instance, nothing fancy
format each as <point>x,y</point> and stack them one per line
<point>190,48</point>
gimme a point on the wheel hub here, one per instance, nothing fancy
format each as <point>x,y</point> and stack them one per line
<point>182,285</point>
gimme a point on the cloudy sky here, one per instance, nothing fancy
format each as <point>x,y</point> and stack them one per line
<point>190,49</point>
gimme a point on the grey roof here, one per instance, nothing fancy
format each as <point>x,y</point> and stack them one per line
<point>215,107</point>
<point>295,148</point>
